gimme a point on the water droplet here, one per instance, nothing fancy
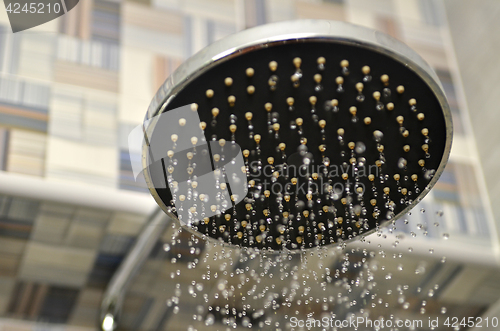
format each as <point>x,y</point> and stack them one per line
<point>429,174</point>
<point>378,135</point>
<point>209,320</point>
<point>360,147</point>
<point>402,163</point>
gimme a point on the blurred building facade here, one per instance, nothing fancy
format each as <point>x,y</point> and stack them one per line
<point>72,89</point>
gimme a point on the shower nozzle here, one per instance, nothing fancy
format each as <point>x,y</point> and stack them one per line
<point>295,135</point>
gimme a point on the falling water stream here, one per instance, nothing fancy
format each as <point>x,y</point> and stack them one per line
<point>362,280</point>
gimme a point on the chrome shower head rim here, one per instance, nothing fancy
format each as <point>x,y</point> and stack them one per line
<point>290,32</point>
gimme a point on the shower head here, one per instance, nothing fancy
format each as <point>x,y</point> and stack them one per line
<point>296,134</point>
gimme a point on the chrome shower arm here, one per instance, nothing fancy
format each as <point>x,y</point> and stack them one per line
<point>115,292</point>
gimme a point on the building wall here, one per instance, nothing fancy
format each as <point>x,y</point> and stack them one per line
<point>476,45</point>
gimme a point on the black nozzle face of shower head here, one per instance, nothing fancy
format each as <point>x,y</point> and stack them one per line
<point>337,138</point>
